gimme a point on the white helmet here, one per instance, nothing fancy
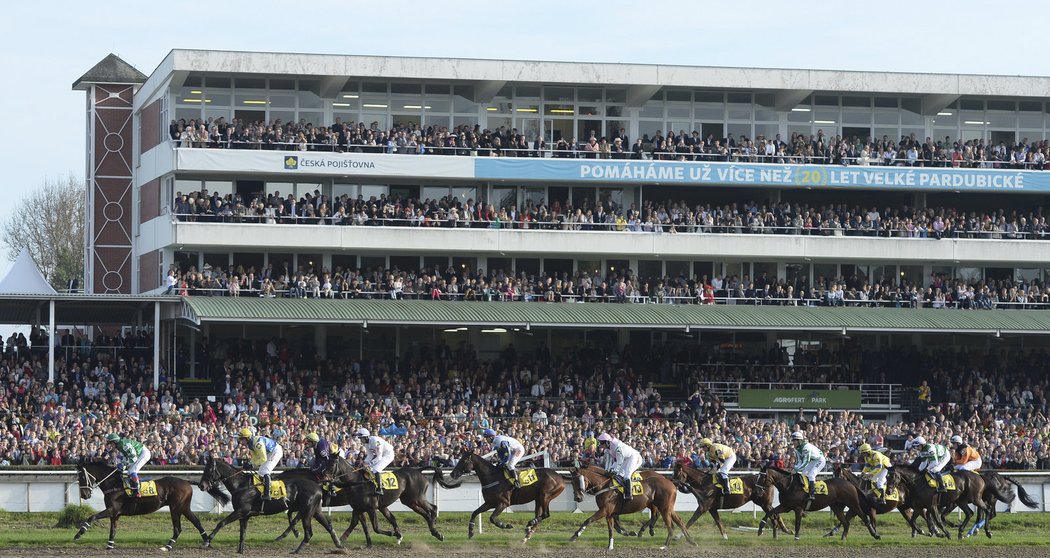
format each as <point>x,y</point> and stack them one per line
<point>362,433</point>
<point>798,435</point>
<point>957,439</point>
<point>915,442</point>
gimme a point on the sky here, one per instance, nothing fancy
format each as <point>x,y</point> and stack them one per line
<point>48,45</point>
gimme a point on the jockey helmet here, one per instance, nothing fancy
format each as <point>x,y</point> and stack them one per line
<point>957,439</point>
<point>864,448</point>
<point>112,437</point>
<point>246,433</point>
<point>706,442</point>
<point>605,437</point>
<point>488,432</point>
<point>798,435</point>
<point>313,437</point>
<point>362,433</point>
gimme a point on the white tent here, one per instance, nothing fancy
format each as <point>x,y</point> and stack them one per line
<point>25,278</point>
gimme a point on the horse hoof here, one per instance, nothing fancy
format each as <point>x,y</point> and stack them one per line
<point>399,539</point>
<point>796,537</point>
<point>438,536</point>
<point>725,537</point>
<point>663,548</point>
<point>165,548</point>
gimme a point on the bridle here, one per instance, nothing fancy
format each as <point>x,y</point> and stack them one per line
<point>592,490</point>
<point>91,482</point>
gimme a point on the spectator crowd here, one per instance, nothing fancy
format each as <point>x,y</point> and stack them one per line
<point>432,403</point>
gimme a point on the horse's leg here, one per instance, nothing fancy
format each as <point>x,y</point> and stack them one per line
<point>594,517</point>
<point>393,522</point>
<point>537,515</point>
<point>293,516</point>
<point>424,509</point>
<point>718,522</point>
<point>364,527</point>
<point>375,525</point>
<point>319,516</point>
<point>651,524</point>
<point>192,517</point>
<point>609,523</point>
<point>87,522</point>
<point>349,528</point>
<point>838,510</point>
<point>798,522</point>
<point>678,521</point>
<point>835,529</point>
<point>481,509</point>
<point>176,527</point>
<point>494,518</point>
<point>967,514</point>
<point>244,530</point>
<point>234,516</point>
<point>113,517</point>
<point>696,515</point>
<point>308,525</point>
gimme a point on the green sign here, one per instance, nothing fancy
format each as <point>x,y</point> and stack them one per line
<point>800,399</point>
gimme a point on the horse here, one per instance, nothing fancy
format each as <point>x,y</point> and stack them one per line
<point>970,489</point>
<point>997,488</point>
<point>359,493</point>
<point>710,499</point>
<point>657,491</point>
<point>499,494</point>
<point>304,499</point>
<point>903,504</point>
<point>172,492</point>
<point>841,495</point>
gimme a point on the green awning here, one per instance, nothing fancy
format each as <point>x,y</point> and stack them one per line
<point>541,314</point>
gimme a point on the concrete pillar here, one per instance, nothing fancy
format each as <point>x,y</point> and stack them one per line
<point>321,340</point>
<point>156,345</point>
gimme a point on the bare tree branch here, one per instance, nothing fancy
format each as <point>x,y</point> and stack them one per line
<point>50,224</point>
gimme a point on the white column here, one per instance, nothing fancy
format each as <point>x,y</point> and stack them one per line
<point>51,341</point>
<point>156,345</point>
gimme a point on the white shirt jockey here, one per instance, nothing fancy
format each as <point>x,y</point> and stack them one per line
<point>515,451</point>
<point>380,454</point>
<point>623,459</point>
<point>809,461</point>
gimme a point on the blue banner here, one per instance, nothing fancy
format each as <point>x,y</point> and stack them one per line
<point>758,174</point>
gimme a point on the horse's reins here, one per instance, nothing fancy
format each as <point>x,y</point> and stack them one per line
<point>93,484</point>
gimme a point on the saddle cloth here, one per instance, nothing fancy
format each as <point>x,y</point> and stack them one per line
<point>526,477</point>
<point>736,484</point>
<point>278,489</point>
<point>146,488</point>
<point>822,487</point>
<point>636,484</point>
<point>949,481</point>
<point>891,496</point>
<point>389,480</point>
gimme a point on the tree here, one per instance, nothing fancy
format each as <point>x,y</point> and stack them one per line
<point>49,223</point>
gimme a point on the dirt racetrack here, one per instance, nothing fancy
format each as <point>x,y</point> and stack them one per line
<point>788,550</point>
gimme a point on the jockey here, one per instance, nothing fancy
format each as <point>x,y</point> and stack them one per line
<point>379,454</point>
<point>266,453</point>
<point>934,457</point>
<point>134,456</point>
<point>966,458</point>
<point>809,461</point>
<point>876,467</point>
<point>623,461</point>
<point>325,454</point>
<point>509,450</point>
<point>723,457</point>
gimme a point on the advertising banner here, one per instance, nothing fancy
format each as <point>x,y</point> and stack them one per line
<point>800,399</point>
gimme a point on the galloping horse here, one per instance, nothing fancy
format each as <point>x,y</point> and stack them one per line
<point>657,491</point>
<point>499,494</point>
<point>875,507</point>
<point>304,499</point>
<point>997,487</point>
<point>359,493</point>
<point>970,488</point>
<point>172,492</point>
<point>841,495</point>
<point>710,499</point>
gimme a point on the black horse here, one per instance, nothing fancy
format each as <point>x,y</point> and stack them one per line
<point>172,492</point>
<point>359,493</point>
<point>304,499</point>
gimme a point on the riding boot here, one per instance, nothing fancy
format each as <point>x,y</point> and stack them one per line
<point>882,495</point>
<point>725,483</point>
<point>378,483</point>
<point>134,485</point>
<point>266,487</point>
<point>940,484</point>
<point>514,480</point>
<point>812,490</point>
<point>628,489</point>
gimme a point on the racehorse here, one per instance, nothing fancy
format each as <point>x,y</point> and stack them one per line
<point>996,487</point>
<point>902,504</point>
<point>710,499</point>
<point>970,488</point>
<point>172,492</point>
<point>500,494</point>
<point>657,491</point>
<point>304,499</point>
<point>841,495</point>
<point>359,493</point>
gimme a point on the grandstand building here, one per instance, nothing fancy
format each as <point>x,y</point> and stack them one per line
<point>140,161</point>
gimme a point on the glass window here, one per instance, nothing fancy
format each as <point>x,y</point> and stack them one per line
<point>854,101</point>
<point>535,195</point>
<point>710,114</point>
<point>856,117</point>
<point>438,89</point>
<point>679,95</point>
<point>971,104</point>
<point>464,193</point>
<point>616,95</point>
<point>434,192</point>
<point>676,269</point>
<point>463,104</point>
<point>504,196</point>
<point>611,198</point>
<point>710,97</point>
<point>650,269</point>
<point>195,80</point>
<point>589,95</point>
<point>497,265</point>
<point>374,87</point>
<point>826,100</point>
<point>739,97</point>
<point>1002,105</point>
<point>309,99</point>
<point>886,117</point>
<point>887,102</point>
<point>590,267</point>
<point>406,88</point>
<point>221,187</point>
<point>652,109</point>
<point>559,94</point>
<point>528,91</point>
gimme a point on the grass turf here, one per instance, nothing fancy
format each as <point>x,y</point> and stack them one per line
<point>38,529</point>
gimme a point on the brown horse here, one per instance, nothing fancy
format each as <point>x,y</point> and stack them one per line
<point>710,499</point>
<point>903,504</point>
<point>841,495</point>
<point>499,494</point>
<point>970,489</point>
<point>172,492</point>
<point>359,493</point>
<point>657,491</point>
<point>997,488</point>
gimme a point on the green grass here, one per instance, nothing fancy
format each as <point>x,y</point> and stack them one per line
<point>38,529</point>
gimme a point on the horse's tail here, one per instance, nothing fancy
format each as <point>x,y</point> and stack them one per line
<point>219,494</point>
<point>439,478</point>
<point>1026,499</point>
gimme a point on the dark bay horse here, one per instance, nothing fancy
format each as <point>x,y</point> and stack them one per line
<point>172,492</point>
<point>903,505</point>
<point>657,491</point>
<point>304,499</point>
<point>358,492</point>
<point>710,499</point>
<point>970,489</point>
<point>996,488</point>
<point>841,495</point>
<point>500,494</point>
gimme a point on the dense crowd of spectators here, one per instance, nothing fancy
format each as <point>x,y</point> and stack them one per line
<point>620,286</point>
<point>671,217</point>
<point>682,146</point>
<point>437,400</point>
